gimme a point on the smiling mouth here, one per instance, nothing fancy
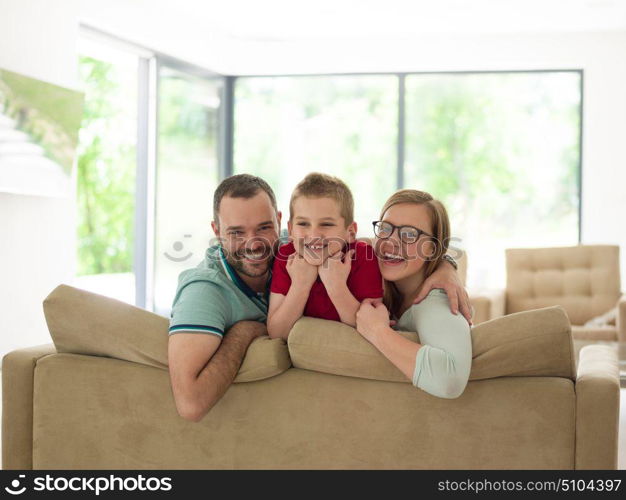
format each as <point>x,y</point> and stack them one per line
<point>392,259</point>
<point>254,256</point>
<point>316,247</point>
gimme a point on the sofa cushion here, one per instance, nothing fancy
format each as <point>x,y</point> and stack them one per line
<point>82,322</point>
<point>530,343</point>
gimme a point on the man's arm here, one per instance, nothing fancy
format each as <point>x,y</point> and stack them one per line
<point>202,366</point>
<point>446,277</point>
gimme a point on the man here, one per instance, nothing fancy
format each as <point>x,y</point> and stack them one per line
<point>221,305</point>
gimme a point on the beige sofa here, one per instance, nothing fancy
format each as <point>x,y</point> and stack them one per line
<point>101,398</point>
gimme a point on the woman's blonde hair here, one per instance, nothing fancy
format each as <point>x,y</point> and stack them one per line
<point>441,237</point>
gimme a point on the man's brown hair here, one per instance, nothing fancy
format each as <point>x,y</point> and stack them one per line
<point>240,186</point>
<point>318,185</point>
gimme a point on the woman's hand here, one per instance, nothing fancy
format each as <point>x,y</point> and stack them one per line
<point>300,271</point>
<point>335,270</point>
<point>446,277</point>
<point>372,319</point>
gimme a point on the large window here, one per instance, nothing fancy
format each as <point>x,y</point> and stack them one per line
<point>106,171</point>
<point>187,175</point>
<point>501,150</point>
<point>342,125</point>
<point>147,169</point>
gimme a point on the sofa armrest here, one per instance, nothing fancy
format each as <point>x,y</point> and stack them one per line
<point>597,408</point>
<point>18,370</point>
<point>487,304</point>
<point>621,319</point>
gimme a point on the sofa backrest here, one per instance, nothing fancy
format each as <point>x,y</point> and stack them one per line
<point>530,343</point>
<point>533,343</point>
<point>82,322</point>
<point>583,279</point>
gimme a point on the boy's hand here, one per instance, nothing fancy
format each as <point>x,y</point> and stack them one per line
<point>300,271</point>
<point>335,270</point>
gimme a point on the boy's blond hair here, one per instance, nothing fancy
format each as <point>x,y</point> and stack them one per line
<point>318,185</point>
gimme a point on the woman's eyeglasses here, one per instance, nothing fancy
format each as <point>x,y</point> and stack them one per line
<point>408,234</point>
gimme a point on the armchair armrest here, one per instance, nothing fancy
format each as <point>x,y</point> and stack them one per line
<point>597,408</point>
<point>621,319</point>
<point>18,372</point>
<point>487,304</point>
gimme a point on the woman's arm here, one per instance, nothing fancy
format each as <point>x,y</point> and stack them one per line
<point>372,321</point>
<point>446,277</point>
<point>441,364</point>
<point>400,351</point>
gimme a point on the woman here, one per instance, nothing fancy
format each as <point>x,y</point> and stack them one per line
<point>411,239</point>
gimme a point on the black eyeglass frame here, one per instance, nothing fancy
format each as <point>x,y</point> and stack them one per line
<point>399,228</point>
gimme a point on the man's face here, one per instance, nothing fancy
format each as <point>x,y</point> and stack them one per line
<point>248,230</point>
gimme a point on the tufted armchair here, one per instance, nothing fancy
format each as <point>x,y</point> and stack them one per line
<point>583,279</point>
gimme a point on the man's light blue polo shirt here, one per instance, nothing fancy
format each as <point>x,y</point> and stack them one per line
<point>212,297</point>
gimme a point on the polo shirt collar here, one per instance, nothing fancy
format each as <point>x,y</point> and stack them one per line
<point>241,284</point>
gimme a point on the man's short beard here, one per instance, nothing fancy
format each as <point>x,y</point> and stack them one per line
<point>237,262</point>
<point>240,266</point>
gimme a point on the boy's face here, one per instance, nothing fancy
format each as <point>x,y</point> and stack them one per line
<point>317,228</point>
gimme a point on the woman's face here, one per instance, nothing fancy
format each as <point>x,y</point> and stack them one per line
<point>398,260</point>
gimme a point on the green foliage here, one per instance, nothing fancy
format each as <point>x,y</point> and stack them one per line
<point>105,175</point>
<point>346,126</point>
<point>188,122</point>
<point>501,150</point>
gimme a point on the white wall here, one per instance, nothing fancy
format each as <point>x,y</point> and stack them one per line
<point>37,234</point>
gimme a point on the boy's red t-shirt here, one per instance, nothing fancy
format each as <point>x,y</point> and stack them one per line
<point>364,280</point>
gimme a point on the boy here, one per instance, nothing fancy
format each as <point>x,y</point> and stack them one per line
<point>323,272</point>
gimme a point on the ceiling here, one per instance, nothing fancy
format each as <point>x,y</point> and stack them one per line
<point>212,32</point>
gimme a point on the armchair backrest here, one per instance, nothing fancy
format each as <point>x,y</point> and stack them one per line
<point>583,279</point>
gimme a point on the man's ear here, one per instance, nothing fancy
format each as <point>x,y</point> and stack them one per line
<point>216,228</point>
<point>279,218</point>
